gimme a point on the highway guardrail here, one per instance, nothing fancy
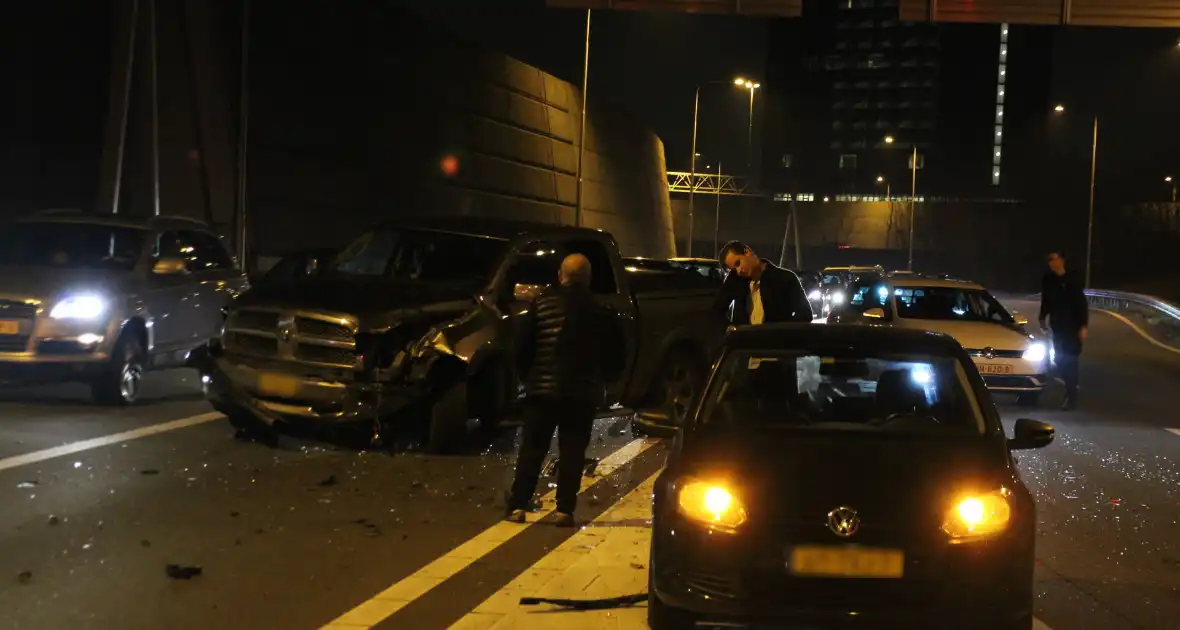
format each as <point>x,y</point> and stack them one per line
<point>1149,309</point>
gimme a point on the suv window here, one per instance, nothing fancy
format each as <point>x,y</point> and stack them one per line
<point>537,263</point>
<point>201,251</point>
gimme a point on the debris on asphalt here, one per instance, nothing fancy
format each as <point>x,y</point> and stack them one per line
<point>24,577</point>
<point>145,543</point>
<point>234,514</point>
<point>181,572</point>
<point>149,471</point>
<point>605,603</point>
<point>330,481</point>
<point>27,484</point>
<point>54,520</point>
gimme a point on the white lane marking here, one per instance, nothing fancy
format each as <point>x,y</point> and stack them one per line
<point>607,558</point>
<point>106,440</point>
<point>1173,431</point>
<point>1135,327</point>
<point>384,604</point>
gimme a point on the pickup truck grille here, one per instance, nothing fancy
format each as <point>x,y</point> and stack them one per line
<point>22,313</point>
<point>297,336</point>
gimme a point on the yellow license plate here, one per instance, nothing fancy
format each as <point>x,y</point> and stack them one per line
<point>994,368</point>
<point>9,327</point>
<point>278,385</point>
<point>847,562</point>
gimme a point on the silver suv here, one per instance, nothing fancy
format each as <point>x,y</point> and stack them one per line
<point>101,299</point>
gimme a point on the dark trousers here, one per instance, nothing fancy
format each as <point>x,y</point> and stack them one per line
<point>1067,350</point>
<point>573,419</point>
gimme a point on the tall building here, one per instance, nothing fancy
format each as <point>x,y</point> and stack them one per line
<point>851,91</point>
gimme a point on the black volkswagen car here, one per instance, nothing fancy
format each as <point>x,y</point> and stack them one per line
<point>844,477</point>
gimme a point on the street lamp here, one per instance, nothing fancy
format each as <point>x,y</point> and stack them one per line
<point>692,170</point>
<point>751,86</point>
<point>888,139</point>
<point>888,188</point>
<point>1093,170</point>
<point>1171,181</point>
<point>913,197</point>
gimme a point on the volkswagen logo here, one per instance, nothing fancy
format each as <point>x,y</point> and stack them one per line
<point>843,521</point>
<point>988,353</point>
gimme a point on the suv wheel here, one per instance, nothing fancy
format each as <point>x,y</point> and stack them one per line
<point>119,381</point>
<point>681,380</point>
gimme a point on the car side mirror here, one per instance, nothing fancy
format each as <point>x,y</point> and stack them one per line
<point>169,266</point>
<point>875,313</point>
<point>1021,320</point>
<point>1030,434</point>
<point>526,292</point>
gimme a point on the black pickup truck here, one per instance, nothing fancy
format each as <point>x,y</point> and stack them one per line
<point>417,324</point>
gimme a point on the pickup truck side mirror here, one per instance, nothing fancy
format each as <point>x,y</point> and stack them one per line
<point>1030,434</point>
<point>875,313</point>
<point>526,292</point>
<point>169,266</point>
<point>1021,319</point>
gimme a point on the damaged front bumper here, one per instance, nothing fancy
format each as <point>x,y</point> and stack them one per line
<point>282,392</point>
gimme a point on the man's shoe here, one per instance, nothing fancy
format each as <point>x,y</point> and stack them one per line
<point>515,516</point>
<point>1070,404</point>
<point>565,519</point>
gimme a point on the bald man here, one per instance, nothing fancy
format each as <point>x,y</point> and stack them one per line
<point>570,346</point>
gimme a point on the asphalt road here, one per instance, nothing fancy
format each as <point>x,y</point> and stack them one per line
<point>299,536</point>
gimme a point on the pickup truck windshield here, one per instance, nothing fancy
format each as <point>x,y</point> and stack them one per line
<point>422,256</point>
<point>71,245</point>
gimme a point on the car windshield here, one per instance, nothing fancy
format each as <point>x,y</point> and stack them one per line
<point>422,256</point>
<point>833,278</point>
<point>843,389</point>
<point>71,245</point>
<point>950,303</point>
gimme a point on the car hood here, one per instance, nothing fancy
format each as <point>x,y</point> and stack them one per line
<point>371,301</point>
<point>976,334</point>
<point>799,475</point>
<point>47,283</point>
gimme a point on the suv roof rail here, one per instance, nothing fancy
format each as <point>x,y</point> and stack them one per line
<point>175,219</point>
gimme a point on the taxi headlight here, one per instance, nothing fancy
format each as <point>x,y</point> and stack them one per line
<point>978,516</point>
<point>710,504</point>
<point>87,307</point>
<point>1035,352</point>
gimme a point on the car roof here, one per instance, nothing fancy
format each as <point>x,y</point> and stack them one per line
<point>499,229</point>
<point>868,339</point>
<point>923,281</point>
<point>114,220</point>
<point>710,261</point>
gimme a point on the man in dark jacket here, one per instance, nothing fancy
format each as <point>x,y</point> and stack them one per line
<point>570,347</point>
<point>759,291</point>
<point>1063,303</point>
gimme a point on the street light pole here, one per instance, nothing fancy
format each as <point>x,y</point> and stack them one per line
<point>1171,181</point>
<point>692,169</point>
<point>582,133</point>
<point>717,212</point>
<point>913,203</point>
<point>750,134</point>
<point>1090,223</point>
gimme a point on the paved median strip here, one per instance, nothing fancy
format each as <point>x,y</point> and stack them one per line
<point>388,602</point>
<point>106,440</point>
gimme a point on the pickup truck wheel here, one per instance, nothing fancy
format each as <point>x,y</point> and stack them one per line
<point>681,379</point>
<point>118,382</point>
<point>447,423</point>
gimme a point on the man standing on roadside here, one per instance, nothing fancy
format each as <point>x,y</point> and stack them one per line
<point>570,347</point>
<point>760,291</point>
<point>1063,303</point>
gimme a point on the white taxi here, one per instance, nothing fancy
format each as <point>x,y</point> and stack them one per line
<point>1009,359</point>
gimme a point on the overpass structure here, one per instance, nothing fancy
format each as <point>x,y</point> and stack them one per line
<point>1135,13</point>
<point>710,184</point>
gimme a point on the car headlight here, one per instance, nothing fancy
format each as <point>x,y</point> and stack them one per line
<point>79,307</point>
<point>1035,352</point>
<point>814,295</point>
<point>837,297</point>
<point>978,516</point>
<point>710,504</point>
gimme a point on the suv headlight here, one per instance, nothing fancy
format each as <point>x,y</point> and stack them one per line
<point>1035,352</point>
<point>710,504</point>
<point>85,307</point>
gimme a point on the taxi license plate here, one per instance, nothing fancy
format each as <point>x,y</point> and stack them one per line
<point>846,562</point>
<point>994,368</point>
<point>278,385</point>
<point>9,327</point>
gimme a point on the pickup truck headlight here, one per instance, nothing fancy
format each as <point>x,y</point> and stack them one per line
<point>82,307</point>
<point>1035,352</point>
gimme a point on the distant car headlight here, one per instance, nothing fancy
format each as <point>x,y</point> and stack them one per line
<point>1035,352</point>
<point>980,516</point>
<point>837,297</point>
<point>814,295</point>
<point>710,504</point>
<point>87,307</point>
